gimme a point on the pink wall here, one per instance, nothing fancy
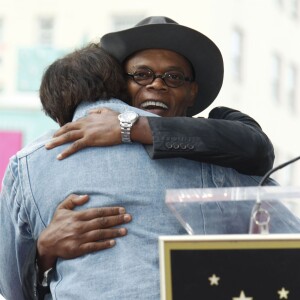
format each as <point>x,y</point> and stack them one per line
<point>10,143</point>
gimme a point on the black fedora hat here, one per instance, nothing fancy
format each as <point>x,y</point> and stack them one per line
<point>164,33</point>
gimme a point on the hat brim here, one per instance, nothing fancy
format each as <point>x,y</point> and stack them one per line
<point>203,54</point>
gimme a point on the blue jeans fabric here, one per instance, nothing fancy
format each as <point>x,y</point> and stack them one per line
<point>36,182</point>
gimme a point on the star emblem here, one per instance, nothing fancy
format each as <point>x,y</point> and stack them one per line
<point>242,297</point>
<point>283,293</point>
<point>214,280</point>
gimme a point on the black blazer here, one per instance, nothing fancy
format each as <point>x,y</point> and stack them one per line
<point>228,138</point>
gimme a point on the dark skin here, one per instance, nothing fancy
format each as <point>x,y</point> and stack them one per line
<point>74,233</point>
<point>102,128</point>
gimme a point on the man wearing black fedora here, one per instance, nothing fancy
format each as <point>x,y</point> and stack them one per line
<point>222,139</point>
<point>166,82</point>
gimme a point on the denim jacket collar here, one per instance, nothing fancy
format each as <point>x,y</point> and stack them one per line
<point>114,104</point>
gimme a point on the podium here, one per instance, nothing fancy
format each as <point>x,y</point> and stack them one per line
<point>232,210</point>
<point>223,256</point>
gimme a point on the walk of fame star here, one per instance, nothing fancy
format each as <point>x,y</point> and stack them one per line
<point>242,297</point>
<point>214,280</point>
<point>283,293</point>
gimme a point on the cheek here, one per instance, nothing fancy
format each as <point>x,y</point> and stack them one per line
<point>185,101</point>
<point>182,104</point>
<point>133,92</point>
<point>189,98</point>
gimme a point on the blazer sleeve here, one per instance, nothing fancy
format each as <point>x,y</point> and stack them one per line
<point>228,138</point>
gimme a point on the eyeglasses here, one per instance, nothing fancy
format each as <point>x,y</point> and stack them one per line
<point>171,78</point>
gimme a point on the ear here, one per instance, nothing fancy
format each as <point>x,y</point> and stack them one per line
<point>193,93</point>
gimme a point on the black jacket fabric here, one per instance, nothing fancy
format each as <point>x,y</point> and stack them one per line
<point>228,138</point>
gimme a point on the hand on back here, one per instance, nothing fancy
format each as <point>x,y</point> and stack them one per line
<point>74,233</point>
<point>100,128</point>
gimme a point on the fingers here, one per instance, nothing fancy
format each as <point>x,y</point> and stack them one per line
<point>102,235</point>
<point>100,212</point>
<point>64,138</point>
<point>72,126</point>
<point>76,146</point>
<point>99,240</point>
<point>91,241</point>
<point>104,222</point>
<point>72,201</point>
<point>96,246</point>
<point>93,218</point>
<point>75,249</point>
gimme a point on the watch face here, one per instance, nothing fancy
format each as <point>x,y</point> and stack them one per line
<point>128,116</point>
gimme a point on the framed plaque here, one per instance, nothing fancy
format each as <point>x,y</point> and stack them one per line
<point>230,267</point>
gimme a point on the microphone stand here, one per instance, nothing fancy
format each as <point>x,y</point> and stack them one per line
<point>260,217</point>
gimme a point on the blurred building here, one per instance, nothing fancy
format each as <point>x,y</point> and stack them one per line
<point>259,40</point>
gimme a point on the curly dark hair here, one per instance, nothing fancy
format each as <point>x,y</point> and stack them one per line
<point>87,74</point>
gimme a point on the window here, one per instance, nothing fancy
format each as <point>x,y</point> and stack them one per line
<point>275,77</point>
<point>292,87</point>
<point>45,29</point>
<point>280,3</point>
<point>236,54</point>
<point>31,65</point>
<point>294,8</point>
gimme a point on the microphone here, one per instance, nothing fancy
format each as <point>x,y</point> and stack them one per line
<point>260,217</point>
<point>267,175</point>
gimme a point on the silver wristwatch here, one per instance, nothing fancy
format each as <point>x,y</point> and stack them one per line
<point>127,119</point>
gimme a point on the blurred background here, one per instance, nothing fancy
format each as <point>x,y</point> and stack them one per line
<point>259,40</point>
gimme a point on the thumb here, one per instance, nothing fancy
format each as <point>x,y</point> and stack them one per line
<point>72,201</point>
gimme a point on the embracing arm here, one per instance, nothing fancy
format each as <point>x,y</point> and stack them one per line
<point>71,234</point>
<point>90,230</point>
<point>228,138</point>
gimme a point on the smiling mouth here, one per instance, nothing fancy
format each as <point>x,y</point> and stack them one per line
<point>154,105</point>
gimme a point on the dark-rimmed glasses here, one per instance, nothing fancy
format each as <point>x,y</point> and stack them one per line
<point>171,78</point>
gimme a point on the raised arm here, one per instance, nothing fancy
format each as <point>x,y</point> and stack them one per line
<point>228,138</point>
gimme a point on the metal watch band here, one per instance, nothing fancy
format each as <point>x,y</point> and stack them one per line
<point>127,119</point>
<point>125,132</point>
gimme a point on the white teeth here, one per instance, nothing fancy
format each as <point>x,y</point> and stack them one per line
<point>148,104</point>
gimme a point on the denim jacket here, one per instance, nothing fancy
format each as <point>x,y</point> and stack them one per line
<point>36,182</point>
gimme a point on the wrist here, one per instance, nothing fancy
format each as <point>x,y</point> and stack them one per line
<point>44,260</point>
<point>127,119</point>
<point>141,132</point>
